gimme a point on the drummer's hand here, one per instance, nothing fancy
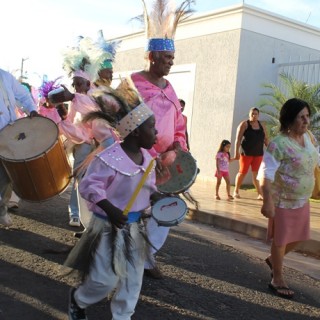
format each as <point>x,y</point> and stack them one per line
<point>156,196</point>
<point>62,111</point>
<point>177,146</point>
<point>159,166</point>
<point>67,94</point>
<point>34,114</point>
<point>117,218</point>
<point>62,96</point>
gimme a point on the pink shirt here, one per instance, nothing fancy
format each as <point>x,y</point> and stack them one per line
<point>77,131</point>
<point>50,113</point>
<point>112,175</point>
<point>167,110</point>
<point>223,161</point>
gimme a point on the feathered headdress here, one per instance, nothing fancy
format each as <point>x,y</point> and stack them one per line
<point>82,60</point>
<point>48,86</point>
<point>122,108</point>
<point>162,21</point>
<point>108,50</point>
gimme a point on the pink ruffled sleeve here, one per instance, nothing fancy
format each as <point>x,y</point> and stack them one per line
<point>77,133</point>
<point>92,187</point>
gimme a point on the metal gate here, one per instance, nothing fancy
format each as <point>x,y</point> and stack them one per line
<point>305,71</point>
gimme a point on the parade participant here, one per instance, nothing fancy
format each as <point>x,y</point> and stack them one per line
<point>159,95</point>
<point>251,136</point>
<point>108,51</point>
<point>82,63</point>
<point>183,105</point>
<point>10,92</point>
<point>47,109</point>
<point>108,185</point>
<point>287,180</point>
<point>77,133</point>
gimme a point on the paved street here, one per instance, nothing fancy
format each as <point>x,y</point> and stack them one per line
<point>210,273</point>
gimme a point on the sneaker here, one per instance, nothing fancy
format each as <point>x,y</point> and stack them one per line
<point>78,234</point>
<point>74,222</point>
<point>154,273</point>
<point>6,220</point>
<point>74,311</point>
<point>13,205</point>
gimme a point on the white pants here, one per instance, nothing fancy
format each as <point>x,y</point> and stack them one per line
<point>80,153</point>
<point>157,235</point>
<point>102,280</point>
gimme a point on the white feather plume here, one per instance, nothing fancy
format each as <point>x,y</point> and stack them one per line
<point>164,16</point>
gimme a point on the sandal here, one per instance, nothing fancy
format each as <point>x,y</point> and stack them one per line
<point>230,197</point>
<point>279,291</point>
<point>218,198</point>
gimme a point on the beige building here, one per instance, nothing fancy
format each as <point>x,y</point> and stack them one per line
<point>222,59</point>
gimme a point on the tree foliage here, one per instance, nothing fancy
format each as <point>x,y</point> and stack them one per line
<point>288,88</point>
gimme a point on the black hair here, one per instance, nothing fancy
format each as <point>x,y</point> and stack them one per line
<point>254,109</point>
<point>182,101</point>
<point>222,145</point>
<point>289,111</point>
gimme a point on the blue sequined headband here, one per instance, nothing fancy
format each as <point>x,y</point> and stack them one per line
<point>160,44</point>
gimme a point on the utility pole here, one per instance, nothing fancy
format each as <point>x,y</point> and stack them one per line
<point>21,74</point>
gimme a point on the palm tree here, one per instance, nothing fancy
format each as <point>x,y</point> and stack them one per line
<point>289,88</point>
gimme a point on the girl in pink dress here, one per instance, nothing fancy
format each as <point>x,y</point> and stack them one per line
<point>222,167</point>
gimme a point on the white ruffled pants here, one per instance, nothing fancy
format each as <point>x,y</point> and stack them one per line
<point>102,280</point>
<point>157,236</point>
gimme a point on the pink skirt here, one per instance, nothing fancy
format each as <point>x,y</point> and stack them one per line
<point>289,225</point>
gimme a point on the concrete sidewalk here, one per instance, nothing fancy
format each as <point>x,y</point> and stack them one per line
<point>243,215</point>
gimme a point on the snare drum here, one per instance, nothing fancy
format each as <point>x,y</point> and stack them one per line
<point>169,211</point>
<point>33,155</point>
<point>178,173</point>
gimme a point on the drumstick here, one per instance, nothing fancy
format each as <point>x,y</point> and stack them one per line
<point>138,188</point>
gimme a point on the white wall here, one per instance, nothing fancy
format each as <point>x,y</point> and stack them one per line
<point>221,60</point>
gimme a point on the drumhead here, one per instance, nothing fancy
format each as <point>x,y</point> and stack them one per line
<point>169,211</point>
<point>183,172</point>
<point>27,138</point>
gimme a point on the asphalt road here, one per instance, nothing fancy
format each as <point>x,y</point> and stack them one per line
<point>206,277</point>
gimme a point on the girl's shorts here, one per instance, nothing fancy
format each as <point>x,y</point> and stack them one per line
<point>223,174</point>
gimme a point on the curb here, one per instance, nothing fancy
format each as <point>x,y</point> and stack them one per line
<point>309,247</point>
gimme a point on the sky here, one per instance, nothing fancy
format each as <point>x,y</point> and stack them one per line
<point>36,31</point>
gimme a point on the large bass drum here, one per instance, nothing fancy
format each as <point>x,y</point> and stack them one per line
<point>34,157</point>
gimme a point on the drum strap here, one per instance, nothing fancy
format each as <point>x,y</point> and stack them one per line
<point>138,188</point>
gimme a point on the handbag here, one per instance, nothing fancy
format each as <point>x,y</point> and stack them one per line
<point>316,190</point>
